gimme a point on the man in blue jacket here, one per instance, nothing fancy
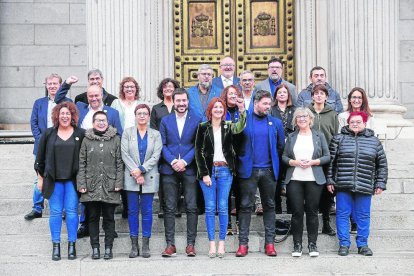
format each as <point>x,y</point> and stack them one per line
<point>40,120</point>
<point>227,77</point>
<point>177,166</point>
<point>259,156</point>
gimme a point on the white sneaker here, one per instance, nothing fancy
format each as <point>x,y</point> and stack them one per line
<point>297,250</point>
<point>313,250</point>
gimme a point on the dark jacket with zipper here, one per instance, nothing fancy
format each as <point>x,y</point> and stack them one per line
<point>325,121</point>
<point>45,159</point>
<point>358,162</point>
<point>204,144</point>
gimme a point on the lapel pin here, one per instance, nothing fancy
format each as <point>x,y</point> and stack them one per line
<point>77,138</point>
<point>270,123</point>
<point>105,110</point>
<point>225,126</point>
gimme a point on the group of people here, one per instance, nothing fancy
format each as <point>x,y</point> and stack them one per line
<point>224,136</point>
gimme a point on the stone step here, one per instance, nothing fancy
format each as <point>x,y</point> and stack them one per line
<point>12,225</point>
<point>252,264</point>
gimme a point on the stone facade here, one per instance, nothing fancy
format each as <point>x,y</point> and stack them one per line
<point>39,37</point>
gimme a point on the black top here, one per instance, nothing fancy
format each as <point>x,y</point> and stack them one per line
<point>158,112</point>
<point>286,117</point>
<point>64,157</point>
<point>107,98</point>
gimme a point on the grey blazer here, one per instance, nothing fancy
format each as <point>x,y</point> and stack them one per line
<point>320,151</point>
<point>264,85</point>
<point>130,155</point>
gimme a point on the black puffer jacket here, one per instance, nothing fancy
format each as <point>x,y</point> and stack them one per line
<point>358,162</point>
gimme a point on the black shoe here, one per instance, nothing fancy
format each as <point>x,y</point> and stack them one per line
<point>32,215</point>
<point>71,251</point>
<point>353,228</point>
<point>327,229</point>
<point>343,251</point>
<point>108,252</point>
<point>365,251</point>
<point>297,249</point>
<point>96,254</point>
<point>56,251</point>
<point>313,249</point>
<point>83,231</point>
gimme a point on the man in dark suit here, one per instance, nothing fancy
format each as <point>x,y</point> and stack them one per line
<point>40,120</point>
<point>177,166</point>
<point>261,146</point>
<point>227,77</point>
<point>95,77</point>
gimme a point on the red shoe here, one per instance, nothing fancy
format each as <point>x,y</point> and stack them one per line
<point>242,251</point>
<point>270,250</point>
<point>190,250</point>
<point>170,251</point>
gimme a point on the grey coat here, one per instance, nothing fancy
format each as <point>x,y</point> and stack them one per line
<point>100,167</point>
<point>264,85</point>
<point>320,151</point>
<point>130,155</point>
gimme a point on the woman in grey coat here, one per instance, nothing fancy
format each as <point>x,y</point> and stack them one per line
<point>100,179</point>
<point>141,148</point>
<point>306,151</point>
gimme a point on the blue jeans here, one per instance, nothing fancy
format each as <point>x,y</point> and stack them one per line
<point>139,202</point>
<point>359,205</point>
<point>37,197</point>
<point>64,197</point>
<point>217,195</point>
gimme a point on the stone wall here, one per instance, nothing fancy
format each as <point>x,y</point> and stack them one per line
<point>37,38</point>
<point>406,79</point>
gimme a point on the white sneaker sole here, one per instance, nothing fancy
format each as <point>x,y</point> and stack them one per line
<point>296,254</point>
<point>313,254</point>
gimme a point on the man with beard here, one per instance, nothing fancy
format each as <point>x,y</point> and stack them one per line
<point>275,71</point>
<point>200,94</point>
<point>226,78</point>
<point>262,144</point>
<point>318,76</point>
<point>177,166</point>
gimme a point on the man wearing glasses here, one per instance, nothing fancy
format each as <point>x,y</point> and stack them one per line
<point>227,77</point>
<point>275,72</point>
<point>247,86</point>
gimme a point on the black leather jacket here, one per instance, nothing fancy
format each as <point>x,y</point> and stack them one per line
<point>358,162</point>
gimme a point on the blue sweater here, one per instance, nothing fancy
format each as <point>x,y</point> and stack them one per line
<point>261,154</point>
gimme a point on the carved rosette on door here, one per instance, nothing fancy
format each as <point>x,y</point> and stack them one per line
<point>250,31</point>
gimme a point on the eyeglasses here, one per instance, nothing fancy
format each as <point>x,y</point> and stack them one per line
<point>302,117</point>
<point>247,80</point>
<point>129,86</point>
<point>206,74</point>
<point>227,65</point>
<point>101,120</point>
<point>275,67</point>
<point>142,114</point>
<point>355,122</point>
<point>356,98</point>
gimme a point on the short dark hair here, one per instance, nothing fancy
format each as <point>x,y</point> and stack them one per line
<point>320,87</point>
<point>316,68</point>
<point>163,83</point>
<point>260,94</point>
<point>139,106</point>
<point>179,91</point>
<point>98,113</point>
<point>275,59</point>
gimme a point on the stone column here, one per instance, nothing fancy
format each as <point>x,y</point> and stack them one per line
<point>131,38</point>
<point>357,42</point>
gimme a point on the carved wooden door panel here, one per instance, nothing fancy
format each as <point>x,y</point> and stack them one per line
<point>250,31</point>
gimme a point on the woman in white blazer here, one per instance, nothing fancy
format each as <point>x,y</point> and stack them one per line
<point>141,148</point>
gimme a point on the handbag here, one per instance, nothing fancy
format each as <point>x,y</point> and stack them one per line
<point>283,227</point>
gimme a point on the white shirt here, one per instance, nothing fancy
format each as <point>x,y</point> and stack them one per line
<point>50,105</point>
<point>303,149</point>
<point>218,148</point>
<point>87,121</point>
<point>226,81</point>
<point>247,100</point>
<point>181,122</point>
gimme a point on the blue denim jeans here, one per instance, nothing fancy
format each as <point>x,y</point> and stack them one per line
<point>359,205</point>
<point>139,202</point>
<point>37,197</point>
<point>217,195</point>
<point>64,197</point>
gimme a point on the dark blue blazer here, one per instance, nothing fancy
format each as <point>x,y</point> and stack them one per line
<point>276,143</point>
<point>113,114</point>
<point>38,120</point>
<point>217,81</point>
<point>175,147</point>
<point>194,105</point>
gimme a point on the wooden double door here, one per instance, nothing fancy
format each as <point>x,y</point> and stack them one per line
<point>250,31</point>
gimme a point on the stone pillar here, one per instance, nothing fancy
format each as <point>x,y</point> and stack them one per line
<point>357,42</point>
<point>131,38</point>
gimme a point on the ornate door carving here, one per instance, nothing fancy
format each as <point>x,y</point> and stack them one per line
<point>250,31</point>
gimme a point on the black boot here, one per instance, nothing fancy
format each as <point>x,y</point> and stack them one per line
<point>108,252</point>
<point>134,248</point>
<point>71,251</point>
<point>145,248</point>
<point>326,228</point>
<point>96,254</point>
<point>56,251</point>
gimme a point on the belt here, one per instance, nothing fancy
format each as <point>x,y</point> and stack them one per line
<point>220,164</point>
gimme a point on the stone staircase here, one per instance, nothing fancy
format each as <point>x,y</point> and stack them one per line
<point>25,247</point>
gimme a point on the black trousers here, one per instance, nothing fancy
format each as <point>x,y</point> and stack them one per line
<point>94,211</point>
<point>170,187</point>
<point>304,197</point>
<point>265,180</point>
